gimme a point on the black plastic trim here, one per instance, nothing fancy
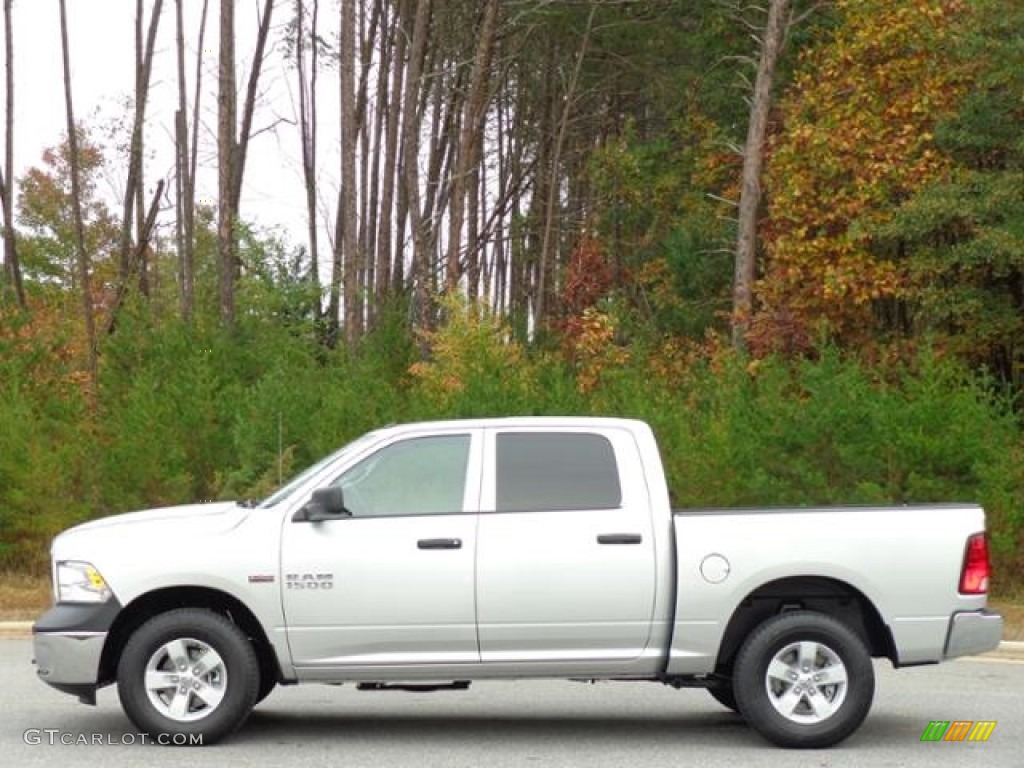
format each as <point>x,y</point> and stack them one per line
<point>85,692</point>
<point>78,617</point>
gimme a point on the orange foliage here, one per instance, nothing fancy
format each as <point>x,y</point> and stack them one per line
<point>857,140</point>
<point>588,333</point>
<point>54,348</point>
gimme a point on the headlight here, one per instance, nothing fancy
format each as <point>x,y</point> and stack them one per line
<point>79,582</point>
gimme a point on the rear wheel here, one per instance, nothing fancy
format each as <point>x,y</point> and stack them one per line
<point>804,679</point>
<point>188,677</point>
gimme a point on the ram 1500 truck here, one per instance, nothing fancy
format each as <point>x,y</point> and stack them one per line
<point>430,555</point>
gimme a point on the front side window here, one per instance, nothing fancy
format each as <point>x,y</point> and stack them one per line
<point>421,476</point>
<point>552,471</point>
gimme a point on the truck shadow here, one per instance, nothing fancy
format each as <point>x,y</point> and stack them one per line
<point>327,724</point>
<point>715,729</point>
<point>431,730</point>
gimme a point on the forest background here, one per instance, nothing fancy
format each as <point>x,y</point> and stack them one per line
<point>788,234</point>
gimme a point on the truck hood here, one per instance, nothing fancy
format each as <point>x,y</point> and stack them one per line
<point>186,520</point>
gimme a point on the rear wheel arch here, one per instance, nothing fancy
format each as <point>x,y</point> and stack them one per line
<point>823,595</point>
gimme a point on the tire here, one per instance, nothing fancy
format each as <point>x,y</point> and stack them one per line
<point>723,693</point>
<point>804,680</point>
<point>214,695</point>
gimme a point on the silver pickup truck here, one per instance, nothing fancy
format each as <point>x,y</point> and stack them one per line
<point>429,555</point>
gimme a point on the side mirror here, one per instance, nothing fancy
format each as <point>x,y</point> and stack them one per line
<point>325,504</point>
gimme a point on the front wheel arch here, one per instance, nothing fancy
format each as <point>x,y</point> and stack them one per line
<point>143,608</point>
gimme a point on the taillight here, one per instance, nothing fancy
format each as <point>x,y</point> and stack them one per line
<point>977,568</point>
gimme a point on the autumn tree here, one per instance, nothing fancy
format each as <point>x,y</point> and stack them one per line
<point>857,138</point>
<point>962,233</point>
<point>45,211</point>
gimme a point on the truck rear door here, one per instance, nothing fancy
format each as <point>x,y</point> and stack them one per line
<point>565,550</point>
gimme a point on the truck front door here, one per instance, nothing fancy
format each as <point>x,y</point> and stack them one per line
<point>393,583</point>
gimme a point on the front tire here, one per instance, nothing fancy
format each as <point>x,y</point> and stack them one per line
<point>804,680</point>
<point>188,676</point>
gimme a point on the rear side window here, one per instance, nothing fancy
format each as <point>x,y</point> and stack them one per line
<point>555,471</point>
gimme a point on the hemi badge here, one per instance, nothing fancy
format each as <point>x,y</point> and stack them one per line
<point>261,579</point>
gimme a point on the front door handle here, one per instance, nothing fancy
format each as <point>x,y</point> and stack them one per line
<point>619,538</point>
<point>439,544</point>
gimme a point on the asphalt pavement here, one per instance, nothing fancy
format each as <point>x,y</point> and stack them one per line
<point>552,724</point>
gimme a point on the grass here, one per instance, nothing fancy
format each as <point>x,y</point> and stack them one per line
<point>24,598</point>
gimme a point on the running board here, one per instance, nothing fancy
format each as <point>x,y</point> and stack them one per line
<point>457,685</point>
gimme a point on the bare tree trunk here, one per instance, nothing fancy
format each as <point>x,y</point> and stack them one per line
<point>526,258</point>
<point>475,110</point>
<point>750,194</point>
<point>81,257</point>
<point>249,106</point>
<point>414,87</point>
<point>227,158</point>
<point>347,236</point>
<point>391,220</point>
<point>370,21</point>
<point>307,123</point>
<point>232,150</point>
<point>186,174</point>
<point>476,187</point>
<point>554,189</point>
<point>11,262</point>
<point>446,96</point>
<point>146,225</point>
<point>133,186</point>
<point>381,272</point>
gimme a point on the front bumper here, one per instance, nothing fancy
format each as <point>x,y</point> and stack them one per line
<point>68,643</point>
<point>973,632</point>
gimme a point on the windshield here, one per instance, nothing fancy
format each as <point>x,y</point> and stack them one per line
<point>295,483</point>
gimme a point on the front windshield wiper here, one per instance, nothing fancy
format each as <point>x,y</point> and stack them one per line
<point>249,503</point>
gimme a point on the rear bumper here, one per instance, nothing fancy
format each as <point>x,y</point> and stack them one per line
<point>973,632</point>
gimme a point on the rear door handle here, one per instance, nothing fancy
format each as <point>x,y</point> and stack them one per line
<point>439,544</point>
<point>620,538</point>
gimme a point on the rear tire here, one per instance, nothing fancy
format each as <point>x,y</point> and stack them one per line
<point>804,679</point>
<point>188,677</point>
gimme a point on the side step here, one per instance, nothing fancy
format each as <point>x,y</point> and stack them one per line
<point>457,685</point>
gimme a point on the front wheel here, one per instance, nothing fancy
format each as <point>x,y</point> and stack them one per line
<point>188,677</point>
<point>804,679</point>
